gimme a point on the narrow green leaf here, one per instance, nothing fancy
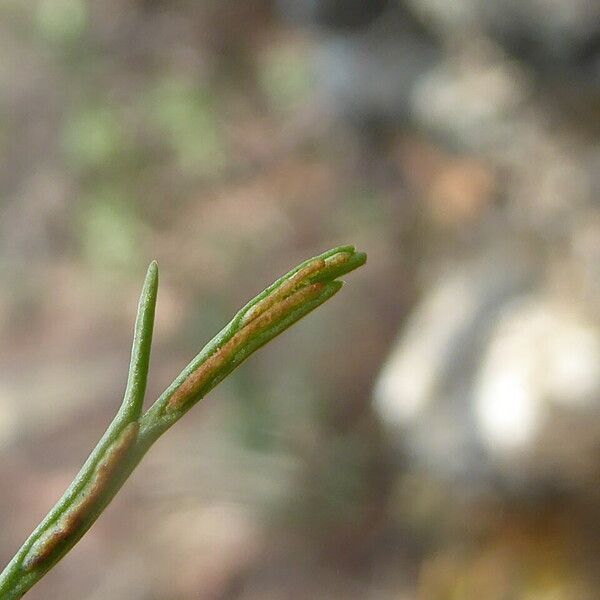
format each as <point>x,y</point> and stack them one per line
<point>140,353</point>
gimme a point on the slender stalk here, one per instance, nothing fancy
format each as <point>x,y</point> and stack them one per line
<point>131,434</point>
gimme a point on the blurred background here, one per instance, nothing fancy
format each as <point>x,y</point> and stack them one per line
<point>431,433</point>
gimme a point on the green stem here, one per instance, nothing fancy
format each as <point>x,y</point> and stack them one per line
<point>130,435</point>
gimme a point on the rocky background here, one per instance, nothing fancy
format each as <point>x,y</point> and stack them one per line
<point>434,431</point>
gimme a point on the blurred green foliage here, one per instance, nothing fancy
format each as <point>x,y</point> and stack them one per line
<point>93,138</point>
<point>186,114</point>
<point>108,231</point>
<point>61,21</point>
<point>286,77</point>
